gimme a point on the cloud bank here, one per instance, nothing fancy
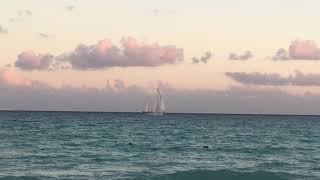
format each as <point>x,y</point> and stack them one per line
<point>245,56</point>
<point>105,54</point>
<point>19,93</point>
<point>29,60</point>
<point>299,50</point>
<point>10,77</point>
<point>256,78</point>
<point>203,59</point>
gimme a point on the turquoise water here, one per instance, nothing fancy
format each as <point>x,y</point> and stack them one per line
<point>79,145</point>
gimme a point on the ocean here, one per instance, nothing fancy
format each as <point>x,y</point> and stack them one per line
<point>88,145</point>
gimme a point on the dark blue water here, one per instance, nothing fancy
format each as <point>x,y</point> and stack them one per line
<point>74,145</point>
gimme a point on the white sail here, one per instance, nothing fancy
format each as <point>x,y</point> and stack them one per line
<point>147,106</point>
<point>156,107</point>
<point>158,101</point>
<point>162,106</point>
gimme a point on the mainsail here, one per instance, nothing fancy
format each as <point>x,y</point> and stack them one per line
<point>147,106</point>
<point>159,105</point>
<point>162,105</point>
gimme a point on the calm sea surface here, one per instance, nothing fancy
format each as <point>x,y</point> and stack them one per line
<point>79,145</point>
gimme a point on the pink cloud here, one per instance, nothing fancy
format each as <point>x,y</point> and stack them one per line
<point>29,60</point>
<point>267,79</point>
<point>116,85</point>
<point>105,54</point>
<point>304,50</point>
<point>12,78</point>
<point>299,50</point>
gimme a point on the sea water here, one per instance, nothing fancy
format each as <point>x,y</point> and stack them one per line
<point>82,145</point>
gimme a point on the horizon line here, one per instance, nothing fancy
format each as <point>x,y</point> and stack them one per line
<point>138,112</point>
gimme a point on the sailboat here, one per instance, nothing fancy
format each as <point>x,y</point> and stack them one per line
<point>156,107</point>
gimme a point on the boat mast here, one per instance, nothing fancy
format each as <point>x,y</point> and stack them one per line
<point>158,101</point>
<point>162,105</point>
<point>147,106</point>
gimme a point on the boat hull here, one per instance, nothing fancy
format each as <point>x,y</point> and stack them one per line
<point>153,113</point>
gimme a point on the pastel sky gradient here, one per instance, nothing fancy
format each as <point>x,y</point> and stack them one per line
<point>260,27</point>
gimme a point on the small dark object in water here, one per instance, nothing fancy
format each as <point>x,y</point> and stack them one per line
<point>205,147</point>
<point>130,144</point>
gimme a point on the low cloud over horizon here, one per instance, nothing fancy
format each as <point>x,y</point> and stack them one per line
<point>19,93</point>
<point>274,79</point>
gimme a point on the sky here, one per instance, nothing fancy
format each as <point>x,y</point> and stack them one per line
<point>231,56</point>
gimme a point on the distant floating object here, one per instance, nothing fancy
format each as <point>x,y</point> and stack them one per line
<point>130,144</point>
<point>205,147</point>
<point>155,107</point>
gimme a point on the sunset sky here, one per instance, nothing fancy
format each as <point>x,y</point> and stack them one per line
<point>249,48</point>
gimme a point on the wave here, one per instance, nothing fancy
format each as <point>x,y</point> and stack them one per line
<point>20,178</point>
<point>218,175</point>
